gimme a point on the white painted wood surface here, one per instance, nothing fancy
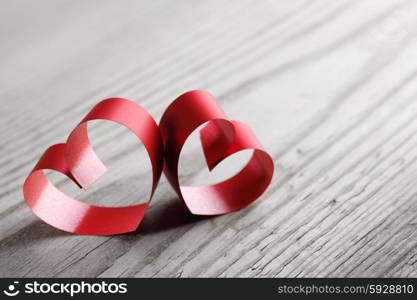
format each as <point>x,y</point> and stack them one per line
<point>329,87</point>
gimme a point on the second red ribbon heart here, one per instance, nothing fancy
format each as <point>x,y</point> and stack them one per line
<point>77,160</point>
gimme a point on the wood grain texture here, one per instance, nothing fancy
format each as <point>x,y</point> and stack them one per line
<point>329,87</point>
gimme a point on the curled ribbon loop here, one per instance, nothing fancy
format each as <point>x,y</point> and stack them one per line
<point>77,160</point>
<point>220,138</point>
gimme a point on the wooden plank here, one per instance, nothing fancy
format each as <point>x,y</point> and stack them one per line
<point>327,86</point>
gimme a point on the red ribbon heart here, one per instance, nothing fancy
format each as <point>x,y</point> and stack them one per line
<point>76,159</point>
<point>220,138</point>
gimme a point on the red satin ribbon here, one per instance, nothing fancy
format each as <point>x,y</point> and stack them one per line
<point>220,138</point>
<point>77,160</point>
